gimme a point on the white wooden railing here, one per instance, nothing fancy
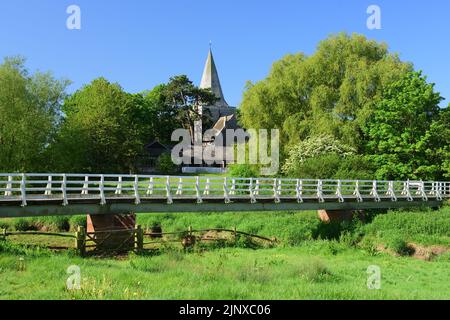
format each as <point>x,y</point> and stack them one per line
<point>104,188</point>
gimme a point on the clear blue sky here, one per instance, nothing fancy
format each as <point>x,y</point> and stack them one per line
<point>141,43</point>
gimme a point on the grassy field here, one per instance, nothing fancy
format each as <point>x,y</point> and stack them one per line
<point>312,260</point>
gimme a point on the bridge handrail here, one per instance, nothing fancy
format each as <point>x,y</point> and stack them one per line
<point>26,187</point>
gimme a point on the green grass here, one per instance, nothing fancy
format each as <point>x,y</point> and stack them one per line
<point>311,261</point>
<point>303,272</point>
<point>423,227</point>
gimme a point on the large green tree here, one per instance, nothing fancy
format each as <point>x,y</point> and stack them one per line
<point>104,130</point>
<point>160,117</point>
<point>185,98</point>
<point>30,111</point>
<point>408,134</point>
<point>330,92</point>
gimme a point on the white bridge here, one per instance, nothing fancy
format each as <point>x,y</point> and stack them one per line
<point>36,194</point>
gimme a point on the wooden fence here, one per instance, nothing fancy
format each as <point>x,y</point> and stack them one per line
<point>133,239</point>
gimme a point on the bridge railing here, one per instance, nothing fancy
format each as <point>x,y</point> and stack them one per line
<point>66,188</point>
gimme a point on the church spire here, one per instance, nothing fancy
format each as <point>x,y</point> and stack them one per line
<point>210,80</point>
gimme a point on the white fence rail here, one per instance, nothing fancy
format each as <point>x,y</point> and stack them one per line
<point>67,188</point>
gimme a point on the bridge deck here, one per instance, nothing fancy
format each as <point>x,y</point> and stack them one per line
<point>67,194</point>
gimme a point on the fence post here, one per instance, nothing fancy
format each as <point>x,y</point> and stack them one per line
<point>190,231</point>
<point>80,240</point>
<point>139,238</point>
<point>235,234</point>
<point>4,234</point>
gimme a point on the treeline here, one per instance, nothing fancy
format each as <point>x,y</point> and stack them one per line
<point>99,128</point>
<point>352,110</point>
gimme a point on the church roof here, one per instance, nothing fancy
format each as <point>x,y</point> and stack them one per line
<point>224,122</point>
<point>210,80</point>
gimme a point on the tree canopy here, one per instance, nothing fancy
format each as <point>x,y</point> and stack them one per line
<point>330,92</point>
<point>30,111</point>
<point>407,133</point>
<point>102,130</point>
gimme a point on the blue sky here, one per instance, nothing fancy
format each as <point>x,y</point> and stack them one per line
<point>142,43</point>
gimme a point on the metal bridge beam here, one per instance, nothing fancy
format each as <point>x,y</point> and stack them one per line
<point>7,211</point>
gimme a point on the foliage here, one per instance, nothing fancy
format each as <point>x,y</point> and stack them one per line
<point>243,171</point>
<point>30,111</point>
<point>330,92</point>
<point>55,223</point>
<point>316,153</point>
<point>102,130</point>
<point>404,136</point>
<point>23,225</point>
<point>325,157</point>
<point>181,95</point>
<point>78,221</point>
<point>316,146</point>
<point>160,117</point>
<point>165,165</point>
<point>399,246</point>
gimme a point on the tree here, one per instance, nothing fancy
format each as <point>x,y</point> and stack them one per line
<point>160,117</point>
<point>437,143</point>
<point>30,111</point>
<point>330,92</point>
<point>407,133</point>
<point>183,96</point>
<point>103,130</point>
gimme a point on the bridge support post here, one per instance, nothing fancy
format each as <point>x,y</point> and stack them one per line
<point>331,216</point>
<point>112,232</point>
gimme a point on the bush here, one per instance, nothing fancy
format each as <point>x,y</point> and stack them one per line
<point>243,171</point>
<point>78,221</point>
<point>165,165</point>
<point>54,223</point>
<point>400,246</point>
<point>333,166</point>
<point>23,225</point>
<point>247,242</point>
<point>355,167</point>
<point>4,225</point>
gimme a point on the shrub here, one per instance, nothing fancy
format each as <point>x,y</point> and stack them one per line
<point>243,171</point>
<point>400,246</point>
<point>23,225</point>
<point>244,241</point>
<point>4,225</point>
<point>165,165</point>
<point>355,167</point>
<point>78,221</point>
<point>55,223</point>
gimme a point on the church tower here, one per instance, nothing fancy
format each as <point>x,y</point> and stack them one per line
<point>210,80</point>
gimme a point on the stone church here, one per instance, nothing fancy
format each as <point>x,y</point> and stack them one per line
<point>221,115</point>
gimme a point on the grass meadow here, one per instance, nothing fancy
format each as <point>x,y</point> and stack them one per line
<point>311,260</point>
